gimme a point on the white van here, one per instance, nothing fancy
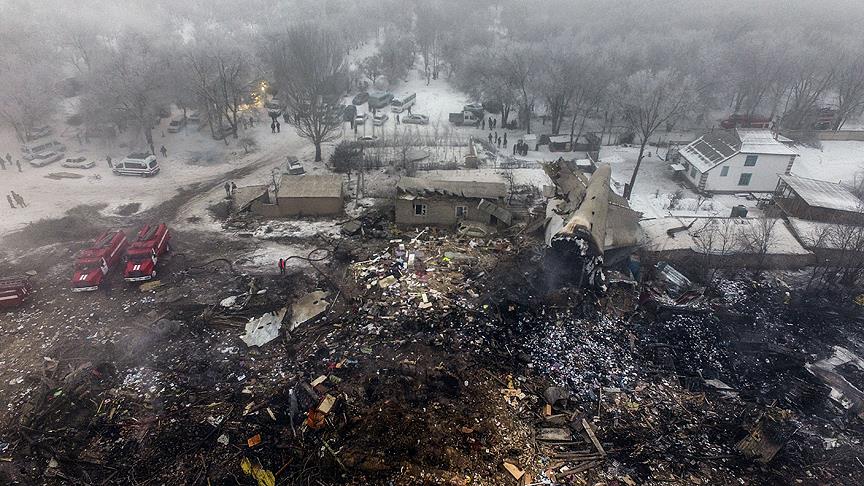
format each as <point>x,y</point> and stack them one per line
<point>31,150</point>
<point>402,103</point>
<point>143,164</point>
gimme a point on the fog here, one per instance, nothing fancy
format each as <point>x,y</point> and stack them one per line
<point>749,56</point>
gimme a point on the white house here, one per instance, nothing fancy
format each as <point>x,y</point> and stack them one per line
<point>741,160</point>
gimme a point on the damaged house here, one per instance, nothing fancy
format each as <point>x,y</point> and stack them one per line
<point>422,202</point>
<point>588,226</point>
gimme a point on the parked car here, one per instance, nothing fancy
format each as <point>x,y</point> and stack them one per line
<point>138,164</point>
<point>38,132</point>
<point>416,119</point>
<point>176,124</point>
<point>368,139</point>
<point>274,107</point>
<point>30,150</point>
<point>360,119</point>
<point>294,167</point>
<point>78,163</point>
<point>475,108</point>
<point>44,158</point>
<point>193,117</point>
<point>380,119</point>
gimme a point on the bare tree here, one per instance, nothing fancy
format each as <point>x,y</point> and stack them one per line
<point>757,239</point>
<point>26,94</point>
<point>131,83</point>
<point>716,239</point>
<point>849,86</point>
<point>649,100</point>
<point>309,67</point>
<point>221,77</point>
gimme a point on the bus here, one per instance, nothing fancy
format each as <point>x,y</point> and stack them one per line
<point>402,103</point>
<point>379,100</point>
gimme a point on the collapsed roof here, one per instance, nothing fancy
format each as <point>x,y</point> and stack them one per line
<point>416,187</point>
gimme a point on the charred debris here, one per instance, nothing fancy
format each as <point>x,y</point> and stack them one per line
<point>415,357</point>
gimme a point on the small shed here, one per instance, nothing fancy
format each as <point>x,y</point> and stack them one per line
<point>559,143</point>
<point>310,195</point>
<point>816,200</point>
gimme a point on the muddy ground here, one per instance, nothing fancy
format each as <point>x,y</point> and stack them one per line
<point>121,386</point>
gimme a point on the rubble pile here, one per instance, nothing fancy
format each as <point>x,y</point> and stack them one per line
<point>440,359</point>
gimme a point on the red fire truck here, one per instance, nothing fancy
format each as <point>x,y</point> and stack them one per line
<point>14,291</point>
<point>94,263</point>
<point>144,252</point>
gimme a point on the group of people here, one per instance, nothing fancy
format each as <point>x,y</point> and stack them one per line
<point>249,124</point>
<point>493,123</point>
<point>496,139</point>
<point>8,160</point>
<point>15,198</point>
<point>520,148</point>
<point>230,188</point>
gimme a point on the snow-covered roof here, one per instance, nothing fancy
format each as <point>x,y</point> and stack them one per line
<point>712,149</point>
<point>711,235</point>
<point>761,141</point>
<point>818,234</point>
<point>822,194</point>
<point>311,186</point>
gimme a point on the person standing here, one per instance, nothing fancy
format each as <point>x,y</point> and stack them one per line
<point>18,199</point>
<point>233,188</point>
<point>397,118</point>
<point>251,122</point>
<point>227,189</point>
<point>18,163</point>
<point>505,139</point>
<point>164,151</point>
<point>9,200</point>
<point>2,164</point>
<point>9,159</point>
<point>499,142</point>
<point>281,266</point>
<point>483,123</point>
<point>108,158</point>
<point>490,138</point>
<point>409,110</point>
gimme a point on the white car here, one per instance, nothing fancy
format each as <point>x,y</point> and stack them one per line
<point>31,150</point>
<point>416,119</point>
<point>380,119</point>
<point>78,163</point>
<point>44,158</point>
<point>139,164</point>
<point>368,139</point>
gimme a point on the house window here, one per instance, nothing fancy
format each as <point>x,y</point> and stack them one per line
<point>744,180</point>
<point>751,160</point>
<point>461,211</point>
<point>693,172</point>
<point>419,210</point>
<point>724,171</point>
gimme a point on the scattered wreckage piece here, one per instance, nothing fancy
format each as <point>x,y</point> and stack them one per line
<point>584,221</point>
<point>264,329</point>
<point>307,308</point>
